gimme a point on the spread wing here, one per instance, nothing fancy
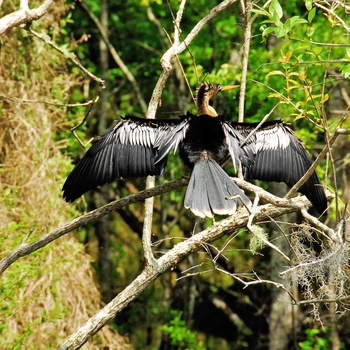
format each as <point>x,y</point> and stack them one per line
<point>129,149</point>
<point>275,154</point>
<point>234,137</point>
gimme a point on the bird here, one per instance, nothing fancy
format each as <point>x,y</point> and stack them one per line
<point>137,147</point>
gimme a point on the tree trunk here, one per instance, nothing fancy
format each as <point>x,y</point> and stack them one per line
<point>102,226</point>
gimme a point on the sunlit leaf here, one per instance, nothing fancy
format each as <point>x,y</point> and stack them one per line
<point>275,72</point>
<point>275,8</point>
<point>308,4</point>
<point>347,53</point>
<point>260,12</point>
<point>325,98</point>
<point>280,32</point>
<point>296,83</point>
<point>346,71</point>
<point>297,116</point>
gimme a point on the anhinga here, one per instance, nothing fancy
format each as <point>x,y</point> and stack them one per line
<point>139,147</point>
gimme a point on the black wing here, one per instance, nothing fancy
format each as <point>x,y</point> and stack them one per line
<point>234,137</point>
<point>171,138</point>
<point>277,155</point>
<point>129,149</point>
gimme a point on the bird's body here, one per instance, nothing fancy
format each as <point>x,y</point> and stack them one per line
<point>139,147</point>
<point>195,145</point>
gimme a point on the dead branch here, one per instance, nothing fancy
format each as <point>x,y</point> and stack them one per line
<point>68,55</point>
<point>24,15</point>
<point>172,52</point>
<point>28,248</point>
<point>169,260</point>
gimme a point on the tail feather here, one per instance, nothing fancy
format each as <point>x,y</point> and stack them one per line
<point>210,191</point>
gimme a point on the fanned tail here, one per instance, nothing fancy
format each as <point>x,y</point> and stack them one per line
<point>211,191</point>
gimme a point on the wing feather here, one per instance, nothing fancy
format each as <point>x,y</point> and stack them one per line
<point>234,137</point>
<point>277,155</point>
<point>128,149</point>
<point>169,139</point>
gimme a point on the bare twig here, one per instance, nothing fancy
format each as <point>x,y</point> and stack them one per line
<point>321,225</point>
<point>277,201</point>
<point>68,55</point>
<point>51,103</point>
<point>255,231</point>
<point>332,13</point>
<point>95,99</point>
<point>148,218</point>
<point>116,57</point>
<point>246,9</point>
<point>257,281</point>
<point>317,43</point>
<point>246,6</point>
<point>147,226</point>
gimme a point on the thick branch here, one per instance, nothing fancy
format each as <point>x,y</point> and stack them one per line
<point>167,261</point>
<point>24,15</point>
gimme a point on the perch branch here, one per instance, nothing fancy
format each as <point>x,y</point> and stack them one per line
<point>166,262</point>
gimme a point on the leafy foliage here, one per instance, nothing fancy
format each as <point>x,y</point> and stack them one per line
<point>180,336</point>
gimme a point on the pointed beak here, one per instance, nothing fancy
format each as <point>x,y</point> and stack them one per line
<point>229,87</point>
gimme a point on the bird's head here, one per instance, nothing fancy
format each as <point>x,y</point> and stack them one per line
<point>205,92</point>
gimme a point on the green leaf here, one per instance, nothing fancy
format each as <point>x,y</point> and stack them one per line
<point>311,14</point>
<point>267,31</point>
<point>346,71</point>
<point>347,54</point>
<point>297,116</point>
<point>308,4</point>
<point>276,19</point>
<point>280,32</point>
<point>261,12</point>
<point>275,9</point>
<point>293,21</point>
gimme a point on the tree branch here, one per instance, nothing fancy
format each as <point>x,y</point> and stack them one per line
<point>116,57</point>
<point>28,248</point>
<point>169,260</point>
<point>175,50</point>
<point>24,15</point>
<point>68,55</point>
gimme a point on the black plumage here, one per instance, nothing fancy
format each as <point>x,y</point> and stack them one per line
<point>139,147</point>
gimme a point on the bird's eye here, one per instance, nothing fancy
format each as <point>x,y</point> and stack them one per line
<point>219,87</point>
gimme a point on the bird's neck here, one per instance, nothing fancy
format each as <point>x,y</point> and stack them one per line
<point>203,106</point>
